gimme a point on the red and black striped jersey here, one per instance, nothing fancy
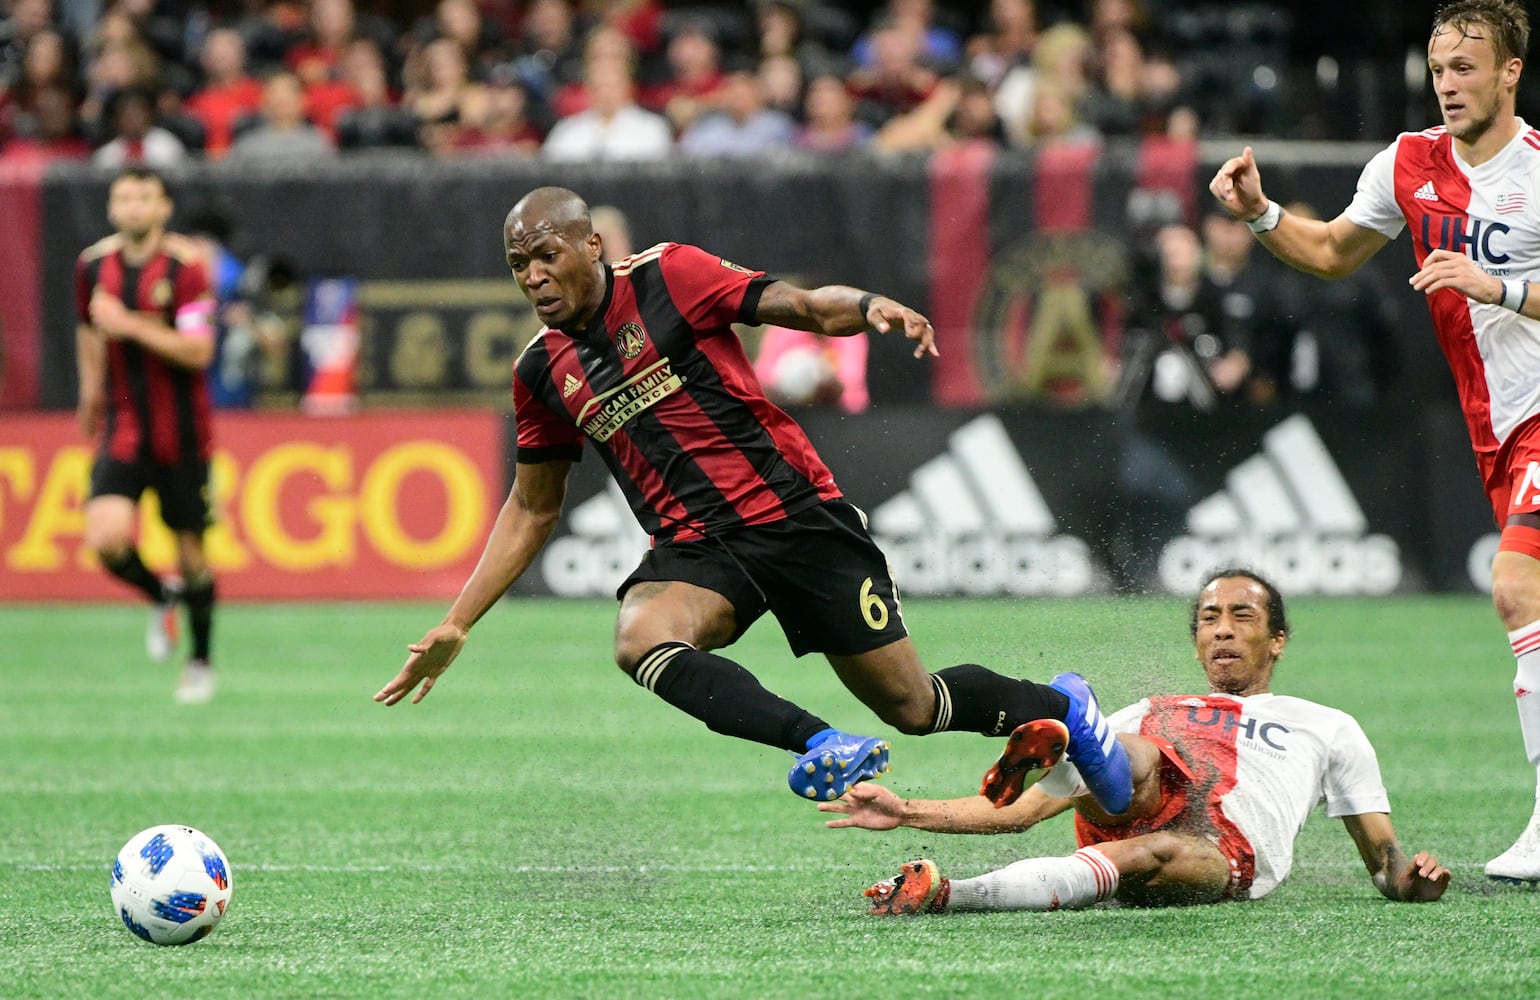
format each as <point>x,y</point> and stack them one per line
<point>156,410</point>
<point>661,385</point>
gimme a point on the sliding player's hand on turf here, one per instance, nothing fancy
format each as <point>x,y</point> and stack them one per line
<point>431,656</point>
<point>868,806</point>
<point>1423,881</point>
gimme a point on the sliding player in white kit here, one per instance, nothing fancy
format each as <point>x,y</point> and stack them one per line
<point>1469,191</point>
<point>1222,784</point>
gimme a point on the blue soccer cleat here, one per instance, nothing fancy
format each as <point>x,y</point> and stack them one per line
<point>1093,746</point>
<point>832,765</point>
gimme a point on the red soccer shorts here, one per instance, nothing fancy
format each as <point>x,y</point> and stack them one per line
<point>1512,479</point>
<point>1177,786</point>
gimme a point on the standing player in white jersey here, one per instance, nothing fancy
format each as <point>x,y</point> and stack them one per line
<point>1222,784</point>
<point>1469,191</point>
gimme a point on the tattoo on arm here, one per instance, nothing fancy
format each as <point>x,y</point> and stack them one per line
<point>1392,863</point>
<point>783,305</point>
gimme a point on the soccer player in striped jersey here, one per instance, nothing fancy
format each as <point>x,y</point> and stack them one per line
<point>1469,191</point>
<point>144,339</point>
<point>639,360</point>
<point>1223,782</point>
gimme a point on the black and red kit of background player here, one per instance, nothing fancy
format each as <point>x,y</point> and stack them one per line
<point>144,340</point>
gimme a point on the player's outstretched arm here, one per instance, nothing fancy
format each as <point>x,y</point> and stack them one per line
<point>1332,249</point>
<point>843,311</point>
<point>523,526</point>
<point>875,807</point>
<point>1418,879</point>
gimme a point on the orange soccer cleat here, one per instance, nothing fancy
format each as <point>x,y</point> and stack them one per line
<point>918,888</point>
<point>1033,748</point>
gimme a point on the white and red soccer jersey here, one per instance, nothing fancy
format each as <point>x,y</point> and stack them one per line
<point>1490,214</point>
<point>1268,760</point>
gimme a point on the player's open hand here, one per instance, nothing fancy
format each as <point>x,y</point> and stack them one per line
<point>1423,881</point>
<point>1446,269</point>
<point>1238,186</point>
<point>430,656</point>
<point>884,314</point>
<point>867,805</point>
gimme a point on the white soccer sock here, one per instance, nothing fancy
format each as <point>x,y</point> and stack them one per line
<point>1526,686</point>
<point>1063,781</point>
<point>1071,883</point>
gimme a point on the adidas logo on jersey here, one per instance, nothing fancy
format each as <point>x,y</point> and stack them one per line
<point>570,386</point>
<point>972,521</point>
<point>1289,513</point>
<point>1426,192</point>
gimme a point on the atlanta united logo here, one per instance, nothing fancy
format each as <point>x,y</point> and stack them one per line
<point>160,295</point>
<point>629,340</point>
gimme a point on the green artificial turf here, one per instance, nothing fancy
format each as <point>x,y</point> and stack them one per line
<point>542,827</point>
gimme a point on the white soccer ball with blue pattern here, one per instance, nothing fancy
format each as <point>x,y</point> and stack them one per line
<point>171,885</point>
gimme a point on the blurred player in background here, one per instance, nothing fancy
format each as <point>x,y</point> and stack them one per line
<point>641,359</point>
<point>615,230</point>
<point>144,339</point>
<point>1468,192</point>
<point>1222,784</point>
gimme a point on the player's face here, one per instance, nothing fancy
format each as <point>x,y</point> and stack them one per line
<point>137,207</point>
<point>1235,641</point>
<point>558,273</point>
<point>1471,85</point>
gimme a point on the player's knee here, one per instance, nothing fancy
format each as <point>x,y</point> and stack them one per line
<point>111,550</point>
<point>631,645</point>
<point>199,592</point>
<point>1516,589</point>
<point>627,655</point>
<point>1142,861</point>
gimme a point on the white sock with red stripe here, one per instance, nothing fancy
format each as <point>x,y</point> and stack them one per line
<point>1071,883</point>
<point>1526,693</point>
<point>1526,686</point>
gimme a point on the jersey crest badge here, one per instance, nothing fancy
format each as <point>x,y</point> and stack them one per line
<point>160,294</point>
<point>570,386</point>
<point>629,340</point>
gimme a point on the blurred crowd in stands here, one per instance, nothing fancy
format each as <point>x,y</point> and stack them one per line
<point>159,81</point>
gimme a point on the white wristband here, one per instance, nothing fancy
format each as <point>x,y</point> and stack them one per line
<point>1515,293</point>
<point>1268,220</point>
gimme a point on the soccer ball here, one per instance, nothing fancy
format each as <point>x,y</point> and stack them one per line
<point>170,884</point>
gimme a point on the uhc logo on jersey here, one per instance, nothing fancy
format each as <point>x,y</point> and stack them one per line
<point>1234,726</point>
<point>1472,237</point>
<point>629,340</point>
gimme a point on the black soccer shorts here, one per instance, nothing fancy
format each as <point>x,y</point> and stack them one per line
<point>183,489</point>
<point>818,572</point>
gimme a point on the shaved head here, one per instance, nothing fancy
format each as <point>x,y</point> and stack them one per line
<point>553,209</point>
<point>556,256</point>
